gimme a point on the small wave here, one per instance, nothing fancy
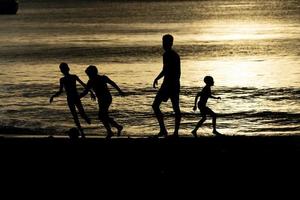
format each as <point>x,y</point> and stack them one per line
<point>271,94</point>
<point>279,117</point>
<point>274,129</point>
<point>232,92</point>
<point>251,114</point>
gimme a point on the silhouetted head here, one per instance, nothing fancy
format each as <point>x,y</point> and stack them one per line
<point>209,80</point>
<point>167,42</point>
<point>64,68</point>
<point>91,71</point>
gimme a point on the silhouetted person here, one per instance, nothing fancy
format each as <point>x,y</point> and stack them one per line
<point>204,95</point>
<point>68,82</point>
<point>98,83</point>
<point>170,87</point>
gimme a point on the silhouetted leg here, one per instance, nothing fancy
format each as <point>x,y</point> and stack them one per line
<point>176,108</point>
<point>199,124</point>
<point>75,117</point>
<point>214,120</point>
<point>113,123</point>
<point>82,112</point>
<point>160,118</point>
<point>103,117</point>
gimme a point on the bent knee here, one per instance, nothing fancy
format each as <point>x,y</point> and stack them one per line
<point>155,106</point>
<point>101,116</point>
<point>178,114</point>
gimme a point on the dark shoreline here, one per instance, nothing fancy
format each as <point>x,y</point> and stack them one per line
<point>217,144</point>
<point>153,156</point>
<point>144,163</point>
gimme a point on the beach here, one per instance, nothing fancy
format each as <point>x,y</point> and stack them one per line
<point>232,166</point>
<point>153,158</point>
<point>250,48</point>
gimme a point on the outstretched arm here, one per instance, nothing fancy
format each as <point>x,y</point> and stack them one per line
<point>86,90</point>
<point>112,83</point>
<point>196,100</point>
<point>59,91</point>
<point>81,82</point>
<point>213,97</point>
<point>93,97</point>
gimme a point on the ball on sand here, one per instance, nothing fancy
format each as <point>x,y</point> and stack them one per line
<point>73,133</point>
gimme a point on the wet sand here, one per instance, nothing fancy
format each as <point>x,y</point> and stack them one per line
<point>150,157</point>
<point>150,166</point>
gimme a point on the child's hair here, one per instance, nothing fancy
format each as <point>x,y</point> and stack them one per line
<point>168,38</point>
<point>64,67</point>
<point>91,70</point>
<point>208,79</point>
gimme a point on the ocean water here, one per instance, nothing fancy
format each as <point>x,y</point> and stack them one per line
<point>251,48</point>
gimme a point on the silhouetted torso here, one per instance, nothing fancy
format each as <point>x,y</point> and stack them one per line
<point>205,94</point>
<point>69,83</point>
<point>171,67</point>
<point>99,85</point>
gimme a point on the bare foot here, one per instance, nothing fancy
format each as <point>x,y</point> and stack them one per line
<point>162,134</point>
<point>174,136</point>
<point>216,133</point>
<point>109,135</point>
<point>120,128</point>
<point>88,120</point>
<point>194,132</point>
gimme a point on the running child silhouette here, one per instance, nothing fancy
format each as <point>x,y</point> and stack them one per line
<point>68,82</point>
<point>98,83</point>
<point>204,95</point>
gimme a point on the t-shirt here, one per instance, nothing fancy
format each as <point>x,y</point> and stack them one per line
<point>205,94</point>
<point>171,68</point>
<point>69,83</point>
<point>99,85</point>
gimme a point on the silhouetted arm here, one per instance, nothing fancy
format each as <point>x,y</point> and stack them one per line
<point>115,86</point>
<point>93,97</point>
<point>213,97</point>
<point>81,82</point>
<point>160,75</point>
<point>86,90</point>
<point>196,100</point>
<point>59,91</point>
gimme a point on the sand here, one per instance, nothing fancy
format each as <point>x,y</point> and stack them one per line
<point>206,160</point>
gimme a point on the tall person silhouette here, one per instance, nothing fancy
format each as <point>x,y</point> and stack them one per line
<point>68,82</point>
<point>170,87</point>
<point>98,83</point>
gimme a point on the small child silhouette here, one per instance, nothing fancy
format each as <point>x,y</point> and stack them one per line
<point>204,95</point>
<point>68,82</point>
<point>98,83</point>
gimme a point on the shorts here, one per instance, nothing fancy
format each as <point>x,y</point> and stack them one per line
<point>206,110</point>
<point>166,94</point>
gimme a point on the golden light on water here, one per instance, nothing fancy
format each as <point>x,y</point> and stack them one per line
<point>243,72</point>
<point>235,30</point>
<point>251,49</point>
<point>237,72</point>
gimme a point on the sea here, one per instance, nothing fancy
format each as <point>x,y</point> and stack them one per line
<point>250,47</point>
